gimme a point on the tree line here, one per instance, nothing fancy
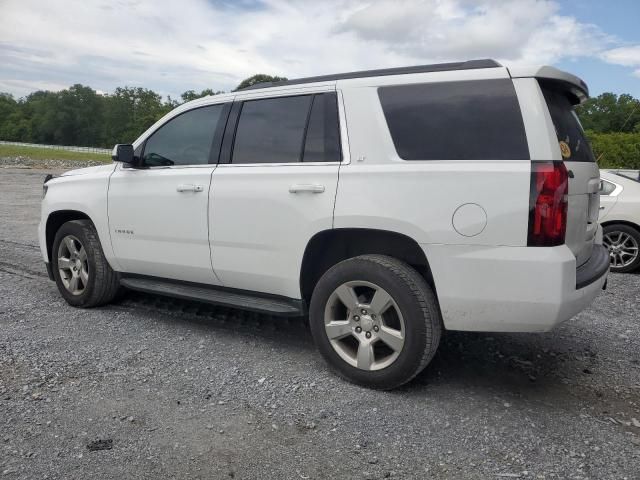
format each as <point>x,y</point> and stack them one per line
<point>612,124</point>
<point>80,116</point>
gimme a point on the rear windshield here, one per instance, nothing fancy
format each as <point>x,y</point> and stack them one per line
<point>574,145</point>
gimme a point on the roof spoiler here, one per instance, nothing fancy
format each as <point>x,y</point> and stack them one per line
<point>575,85</point>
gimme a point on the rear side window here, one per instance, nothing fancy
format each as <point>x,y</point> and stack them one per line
<point>271,130</point>
<point>183,140</point>
<point>322,143</point>
<point>288,130</point>
<point>573,142</point>
<point>471,120</point>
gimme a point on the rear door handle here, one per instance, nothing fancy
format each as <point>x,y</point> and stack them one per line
<point>306,188</point>
<point>189,188</point>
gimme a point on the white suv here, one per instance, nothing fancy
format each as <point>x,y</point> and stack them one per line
<point>387,205</point>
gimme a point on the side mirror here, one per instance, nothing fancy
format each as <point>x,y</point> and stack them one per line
<point>123,152</point>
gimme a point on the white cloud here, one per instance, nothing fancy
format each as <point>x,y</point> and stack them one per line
<point>626,56</point>
<point>194,44</point>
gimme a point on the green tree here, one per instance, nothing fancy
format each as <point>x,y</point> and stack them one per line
<point>130,111</point>
<point>609,112</point>
<point>192,94</point>
<point>616,150</point>
<point>258,78</point>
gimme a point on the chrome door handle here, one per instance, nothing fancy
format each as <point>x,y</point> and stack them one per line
<point>189,188</point>
<point>306,188</point>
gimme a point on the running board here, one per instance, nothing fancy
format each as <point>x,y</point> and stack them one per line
<point>235,299</point>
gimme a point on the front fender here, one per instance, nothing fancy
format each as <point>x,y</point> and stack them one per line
<point>86,194</point>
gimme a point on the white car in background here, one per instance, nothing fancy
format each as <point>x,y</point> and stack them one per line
<point>620,217</point>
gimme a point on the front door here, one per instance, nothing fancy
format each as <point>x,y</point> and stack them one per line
<point>158,213</point>
<point>276,190</point>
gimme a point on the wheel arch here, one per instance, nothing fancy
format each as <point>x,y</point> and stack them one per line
<point>329,247</point>
<point>58,218</point>
<point>621,222</point>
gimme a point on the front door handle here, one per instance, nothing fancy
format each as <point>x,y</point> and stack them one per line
<point>306,188</point>
<point>189,188</point>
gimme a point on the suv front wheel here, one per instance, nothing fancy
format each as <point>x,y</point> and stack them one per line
<point>375,320</point>
<point>82,274</point>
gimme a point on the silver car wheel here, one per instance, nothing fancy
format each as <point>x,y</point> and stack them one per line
<point>623,248</point>
<point>73,265</point>
<point>364,325</point>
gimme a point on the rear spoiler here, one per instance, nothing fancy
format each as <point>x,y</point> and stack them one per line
<point>575,85</point>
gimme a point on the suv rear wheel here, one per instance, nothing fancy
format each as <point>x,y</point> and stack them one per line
<point>375,320</point>
<point>623,243</point>
<point>80,269</point>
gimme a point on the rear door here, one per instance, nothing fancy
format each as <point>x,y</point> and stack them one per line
<point>274,189</point>
<point>584,175</point>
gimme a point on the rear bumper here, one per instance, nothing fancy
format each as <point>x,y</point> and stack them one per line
<point>594,269</point>
<point>512,289</point>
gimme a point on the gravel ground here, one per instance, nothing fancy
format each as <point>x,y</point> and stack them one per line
<point>30,163</point>
<point>156,388</point>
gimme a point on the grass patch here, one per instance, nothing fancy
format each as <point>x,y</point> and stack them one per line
<point>36,153</point>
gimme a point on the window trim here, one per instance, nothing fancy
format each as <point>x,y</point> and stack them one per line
<point>229,137</point>
<point>217,138</point>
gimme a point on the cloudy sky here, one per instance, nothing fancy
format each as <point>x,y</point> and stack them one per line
<point>173,46</point>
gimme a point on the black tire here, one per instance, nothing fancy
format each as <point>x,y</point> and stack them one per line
<point>413,297</point>
<point>103,283</point>
<point>613,229</point>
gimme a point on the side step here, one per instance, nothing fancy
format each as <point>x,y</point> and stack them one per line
<point>235,299</point>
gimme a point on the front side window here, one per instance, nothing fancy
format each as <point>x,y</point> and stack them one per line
<point>183,140</point>
<point>465,120</point>
<point>271,130</point>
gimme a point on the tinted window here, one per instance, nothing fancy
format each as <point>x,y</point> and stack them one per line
<point>184,140</point>
<point>474,120</point>
<point>573,143</point>
<point>322,143</point>
<point>271,130</point>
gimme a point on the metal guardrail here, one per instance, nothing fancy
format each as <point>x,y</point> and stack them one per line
<point>101,151</point>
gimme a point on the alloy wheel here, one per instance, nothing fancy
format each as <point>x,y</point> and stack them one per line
<point>364,325</point>
<point>73,265</point>
<point>623,248</point>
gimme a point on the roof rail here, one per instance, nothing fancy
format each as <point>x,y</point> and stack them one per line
<point>436,67</point>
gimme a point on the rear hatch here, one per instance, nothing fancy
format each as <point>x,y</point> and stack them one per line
<point>584,175</point>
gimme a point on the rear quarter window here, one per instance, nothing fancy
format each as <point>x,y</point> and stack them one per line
<point>468,120</point>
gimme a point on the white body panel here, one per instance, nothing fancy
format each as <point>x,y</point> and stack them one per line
<point>259,229</point>
<point>158,230</point>
<point>623,205</point>
<point>84,190</point>
<point>500,289</point>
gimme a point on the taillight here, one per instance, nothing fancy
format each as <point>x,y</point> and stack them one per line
<point>548,201</point>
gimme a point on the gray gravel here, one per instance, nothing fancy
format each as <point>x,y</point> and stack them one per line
<point>20,162</point>
<point>156,388</point>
